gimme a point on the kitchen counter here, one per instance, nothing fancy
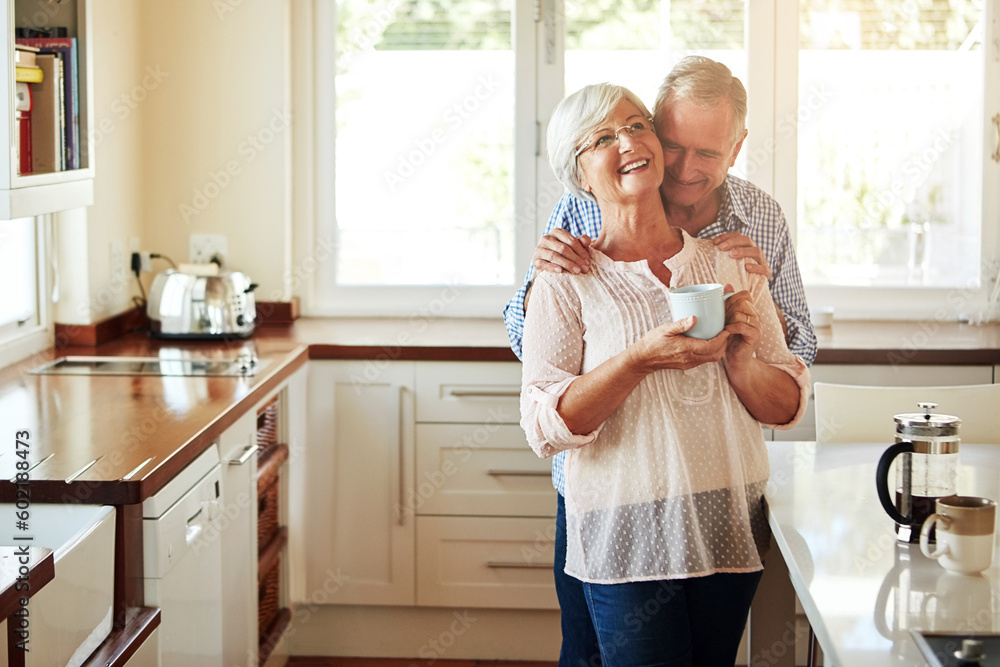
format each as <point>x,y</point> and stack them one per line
<point>861,589</point>
<point>136,432</point>
<point>846,342</point>
<point>118,439</point>
<point>921,342</point>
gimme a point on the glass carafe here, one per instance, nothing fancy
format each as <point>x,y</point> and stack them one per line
<point>926,456</point>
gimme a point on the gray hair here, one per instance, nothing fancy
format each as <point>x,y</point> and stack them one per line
<point>576,117</point>
<point>706,84</point>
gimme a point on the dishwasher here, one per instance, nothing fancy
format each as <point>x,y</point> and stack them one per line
<point>182,563</point>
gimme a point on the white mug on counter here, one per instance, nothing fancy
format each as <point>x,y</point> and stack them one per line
<point>964,526</point>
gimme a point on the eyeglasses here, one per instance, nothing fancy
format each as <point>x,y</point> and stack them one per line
<point>606,141</point>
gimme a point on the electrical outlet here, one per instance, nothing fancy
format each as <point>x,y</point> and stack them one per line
<point>206,246</point>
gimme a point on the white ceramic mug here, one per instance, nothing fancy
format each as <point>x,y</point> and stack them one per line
<point>964,526</point>
<point>704,302</point>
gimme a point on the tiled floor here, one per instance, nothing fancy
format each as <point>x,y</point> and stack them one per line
<point>388,662</point>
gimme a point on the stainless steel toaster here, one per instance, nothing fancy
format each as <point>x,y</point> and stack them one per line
<point>188,305</point>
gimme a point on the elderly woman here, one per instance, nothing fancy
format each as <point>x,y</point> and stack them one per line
<point>665,478</point>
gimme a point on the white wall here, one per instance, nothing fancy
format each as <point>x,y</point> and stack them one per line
<point>189,97</point>
<point>217,132</point>
<point>88,291</point>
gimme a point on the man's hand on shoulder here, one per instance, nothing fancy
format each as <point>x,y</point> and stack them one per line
<point>561,252</point>
<point>740,246</point>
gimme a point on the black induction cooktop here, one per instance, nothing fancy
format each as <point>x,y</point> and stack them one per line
<point>944,649</point>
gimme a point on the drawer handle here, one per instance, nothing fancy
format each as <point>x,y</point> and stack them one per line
<point>518,565</point>
<point>249,451</point>
<point>519,473</point>
<point>485,393</point>
<point>996,150</point>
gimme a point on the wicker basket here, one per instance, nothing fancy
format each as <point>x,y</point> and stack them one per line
<point>267,425</point>
<point>267,598</point>
<point>267,515</point>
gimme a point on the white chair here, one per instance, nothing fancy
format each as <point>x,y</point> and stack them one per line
<point>855,413</point>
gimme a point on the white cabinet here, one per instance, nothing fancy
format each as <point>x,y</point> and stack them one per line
<point>484,501</point>
<point>24,195</point>
<point>422,489</point>
<point>237,524</point>
<point>358,477</point>
<point>882,375</point>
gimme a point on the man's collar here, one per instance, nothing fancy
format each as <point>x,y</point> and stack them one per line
<point>732,215</point>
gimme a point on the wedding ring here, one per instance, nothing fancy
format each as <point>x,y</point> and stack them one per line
<point>748,318</point>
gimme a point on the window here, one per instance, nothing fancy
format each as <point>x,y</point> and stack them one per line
<point>425,143</point>
<point>427,102</point>
<point>891,158</point>
<point>19,307</point>
<point>908,212</point>
<point>21,317</point>
<point>868,123</point>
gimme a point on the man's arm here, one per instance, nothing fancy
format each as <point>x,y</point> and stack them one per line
<point>775,258</point>
<point>790,297</point>
<point>578,217</point>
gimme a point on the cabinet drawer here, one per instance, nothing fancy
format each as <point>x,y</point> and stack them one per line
<point>479,469</point>
<point>483,392</point>
<point>487,562</point>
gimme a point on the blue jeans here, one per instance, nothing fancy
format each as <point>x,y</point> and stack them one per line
<point>579,641</point>
<point>694,622</point>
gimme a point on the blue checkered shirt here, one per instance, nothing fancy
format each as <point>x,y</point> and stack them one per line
<point>746,209</point>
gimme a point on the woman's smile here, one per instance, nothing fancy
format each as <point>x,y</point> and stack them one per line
<point>632,166</point>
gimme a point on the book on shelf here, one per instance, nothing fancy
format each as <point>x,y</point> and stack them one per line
<point>66,49</point>
<point>22,127</point>
<point>24,55</point>
<point>47,116</point>
<point>28,74</point>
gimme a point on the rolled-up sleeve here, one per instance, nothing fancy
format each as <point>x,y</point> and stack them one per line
<point>773,350</point>
<point>552,356</point>
<point>800,373</point>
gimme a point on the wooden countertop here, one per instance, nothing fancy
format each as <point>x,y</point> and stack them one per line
<point>920,342</point>
<point>140,430</point>
<point>846,342</point>
<point>151,427</point>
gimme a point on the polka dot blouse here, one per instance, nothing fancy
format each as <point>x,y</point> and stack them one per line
<point>671,484</point>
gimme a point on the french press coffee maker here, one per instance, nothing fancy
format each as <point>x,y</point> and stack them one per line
<point>927,448</point>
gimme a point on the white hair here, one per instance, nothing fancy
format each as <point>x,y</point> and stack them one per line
<point>573,120</point>
<point>705,83</point>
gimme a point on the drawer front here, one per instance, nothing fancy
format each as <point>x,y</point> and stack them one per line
<point>462,391</point>
<point>487,562</point>
<point>480,469</point>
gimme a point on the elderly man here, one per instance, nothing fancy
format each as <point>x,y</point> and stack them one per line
<point>700,119</point>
